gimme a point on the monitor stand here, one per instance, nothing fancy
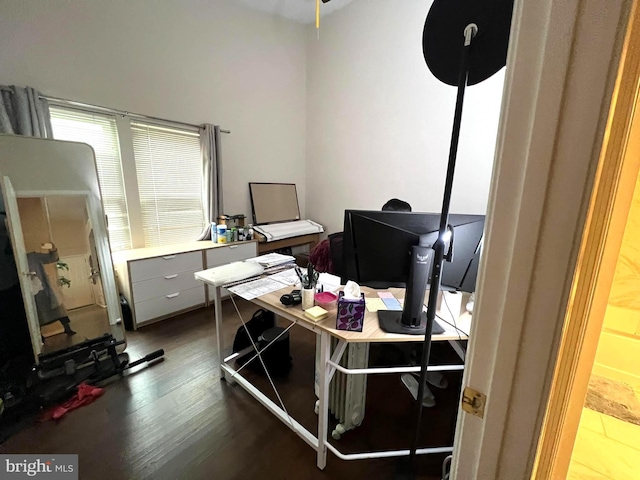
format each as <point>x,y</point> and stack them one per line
<point>391,322</point>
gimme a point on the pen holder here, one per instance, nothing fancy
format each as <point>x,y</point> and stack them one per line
<point>308,298</point>
<point>350,313</point>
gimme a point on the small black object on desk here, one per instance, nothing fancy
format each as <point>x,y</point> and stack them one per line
<point>293,298</point>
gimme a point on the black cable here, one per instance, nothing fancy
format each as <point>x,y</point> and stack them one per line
<point>451,324</point>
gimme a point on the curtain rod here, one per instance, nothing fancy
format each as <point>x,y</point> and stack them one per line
<point>121,112</point>
<point>72,103</point>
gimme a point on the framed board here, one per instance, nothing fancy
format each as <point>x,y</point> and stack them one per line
<point>274,202</point>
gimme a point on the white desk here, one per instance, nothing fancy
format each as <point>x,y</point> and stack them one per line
<point>329,363</point>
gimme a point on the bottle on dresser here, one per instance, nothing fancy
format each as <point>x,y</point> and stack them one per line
<point>214,232</point>
<point>222,233</point>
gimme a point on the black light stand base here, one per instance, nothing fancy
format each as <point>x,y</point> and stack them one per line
<point>391,322</point>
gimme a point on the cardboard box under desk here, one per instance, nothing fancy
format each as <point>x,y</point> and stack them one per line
<point>350,313</point>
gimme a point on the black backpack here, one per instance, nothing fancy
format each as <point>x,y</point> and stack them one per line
<point>263,330</point>
<point>260,321</point>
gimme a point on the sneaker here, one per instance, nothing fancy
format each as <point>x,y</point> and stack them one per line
<point>437,380</point>
<point>428,399</point>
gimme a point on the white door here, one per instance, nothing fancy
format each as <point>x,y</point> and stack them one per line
<point>20,254</point>
<point>79,293</point>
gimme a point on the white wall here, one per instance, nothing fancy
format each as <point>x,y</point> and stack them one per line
<point>359,100</point>
<point>195,61</point>
<point>379,123</point>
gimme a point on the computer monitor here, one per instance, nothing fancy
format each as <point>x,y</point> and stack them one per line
<point>384,249</point>
<point>460,274</point>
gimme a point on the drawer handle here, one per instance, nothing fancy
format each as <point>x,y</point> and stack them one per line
<point>173,295</point>
<point>169,257</point>
<point>169,277</point>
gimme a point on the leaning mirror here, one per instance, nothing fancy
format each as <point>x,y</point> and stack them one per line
<point>57,232</point>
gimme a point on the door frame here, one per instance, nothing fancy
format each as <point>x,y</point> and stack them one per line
<point>557,94</point>
<point>611,201</point>
<point>22,265</point>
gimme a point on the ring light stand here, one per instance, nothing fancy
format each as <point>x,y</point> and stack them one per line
<point>464,42</point>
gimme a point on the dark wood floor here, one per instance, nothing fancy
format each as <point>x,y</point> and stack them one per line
<point>176,419</point>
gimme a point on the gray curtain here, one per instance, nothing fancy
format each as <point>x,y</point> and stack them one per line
<point>212,178</point>
<point>23,111</point>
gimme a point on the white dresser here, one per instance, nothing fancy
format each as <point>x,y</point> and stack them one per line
<point>158,282</point>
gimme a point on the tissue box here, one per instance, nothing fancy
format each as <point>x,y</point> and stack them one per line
<point>350,313</point>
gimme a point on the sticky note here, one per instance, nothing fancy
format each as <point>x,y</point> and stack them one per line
<point>375,304</point>
<point>392,303</point>
<point>315,313</point>
<point>385,295</point>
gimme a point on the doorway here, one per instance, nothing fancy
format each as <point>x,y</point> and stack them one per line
<point>607,443</point>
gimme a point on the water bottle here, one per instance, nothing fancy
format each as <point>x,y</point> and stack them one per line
<point>214,233</point>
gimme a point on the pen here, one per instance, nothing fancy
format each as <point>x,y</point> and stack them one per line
<point>299,276</point>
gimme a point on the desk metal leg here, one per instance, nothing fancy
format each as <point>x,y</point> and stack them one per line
<point>459,349</point>
<point>323,407</point>
<point>217,302</point>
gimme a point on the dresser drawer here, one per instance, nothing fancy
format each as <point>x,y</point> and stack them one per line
<point>166,265</point>
<point>167,304</point>
<point>165,285</point>
<point>232,253</point>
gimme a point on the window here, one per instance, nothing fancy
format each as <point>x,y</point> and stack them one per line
<point>170,178</point>
<point>158,199</point>
<point>100,132</point>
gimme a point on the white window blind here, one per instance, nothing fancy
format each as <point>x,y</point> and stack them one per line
<point>169,170</point>
<point>100,132</point>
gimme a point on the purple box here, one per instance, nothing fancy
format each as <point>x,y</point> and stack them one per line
<point>350,313</point>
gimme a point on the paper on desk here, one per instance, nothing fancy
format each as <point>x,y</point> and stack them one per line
<point>271,259</point>
<point>329,282</point>
<point>256,288</point>
<point>286,277</point>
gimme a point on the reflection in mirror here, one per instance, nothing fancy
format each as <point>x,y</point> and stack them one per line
<point>64,270</point>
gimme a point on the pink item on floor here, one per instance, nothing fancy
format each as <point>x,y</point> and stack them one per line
<point>84,396</point>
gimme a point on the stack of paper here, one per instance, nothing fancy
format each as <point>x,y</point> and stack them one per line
<point>256,288</point>
<point>229,273</point>
<point>262,286</point>
<point>271,259</point>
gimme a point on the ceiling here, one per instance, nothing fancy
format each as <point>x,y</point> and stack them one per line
<point>302,11</point>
